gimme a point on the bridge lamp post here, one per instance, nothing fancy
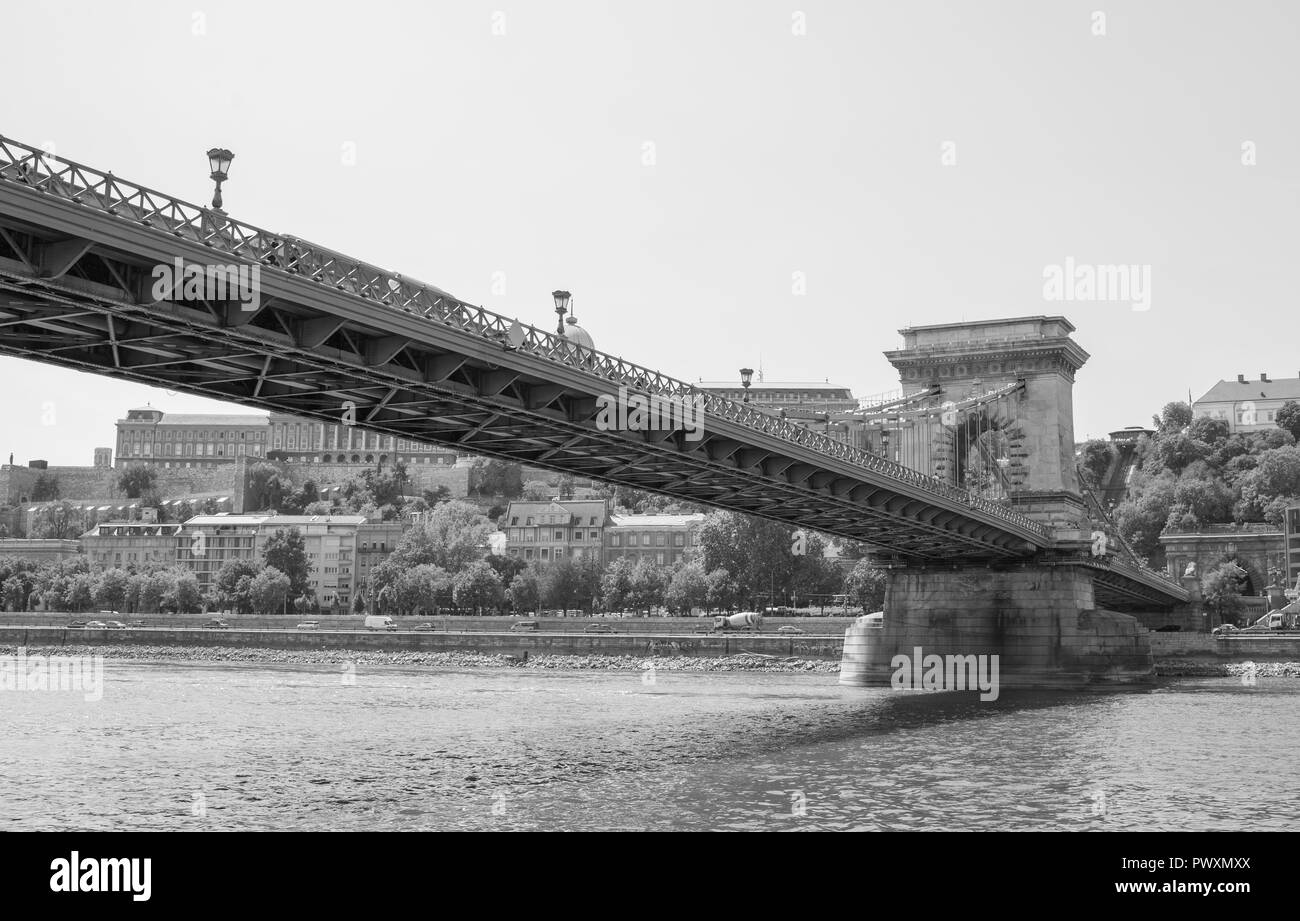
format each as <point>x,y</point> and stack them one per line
<point>746,378</point>
<point>561,308</point>
<point>219,160</point>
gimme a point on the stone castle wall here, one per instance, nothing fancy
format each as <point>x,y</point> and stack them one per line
<point>101,482</point>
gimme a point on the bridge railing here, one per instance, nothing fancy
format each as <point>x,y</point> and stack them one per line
<point>84,185</point>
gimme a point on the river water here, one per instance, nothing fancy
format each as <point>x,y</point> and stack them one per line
<point>249,746</point>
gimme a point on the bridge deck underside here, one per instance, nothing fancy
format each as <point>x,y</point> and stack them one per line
<point>75,291</point>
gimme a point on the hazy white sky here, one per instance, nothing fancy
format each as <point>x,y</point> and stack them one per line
<point>674,164</point>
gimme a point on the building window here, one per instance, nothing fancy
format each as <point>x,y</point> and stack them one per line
<point>615,540</point>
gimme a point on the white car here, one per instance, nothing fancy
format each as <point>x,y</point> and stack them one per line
<point>309,625</point>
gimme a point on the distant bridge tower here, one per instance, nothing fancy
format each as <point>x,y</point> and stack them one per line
<point>1037,423</point>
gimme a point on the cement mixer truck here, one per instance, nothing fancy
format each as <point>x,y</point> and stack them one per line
<point>745,620</point>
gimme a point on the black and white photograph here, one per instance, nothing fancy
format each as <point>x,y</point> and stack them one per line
<point>581,416</point>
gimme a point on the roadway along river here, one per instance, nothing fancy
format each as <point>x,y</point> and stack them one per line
<point>234,746</point>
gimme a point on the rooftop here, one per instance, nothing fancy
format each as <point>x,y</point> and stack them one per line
<point>215,419</point>
<point>769,385</point>
<point>1285,388</point>
<point>655,521</point>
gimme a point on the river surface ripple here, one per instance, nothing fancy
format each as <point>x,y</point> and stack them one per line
<point>191,746</point>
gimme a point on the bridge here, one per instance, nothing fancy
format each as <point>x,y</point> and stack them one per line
<point>94,274</point>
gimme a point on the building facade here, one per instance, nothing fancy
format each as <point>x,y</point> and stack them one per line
<point>207,542</point>
<point>550,530</point>
<point>309,441</point>
<point>375,541</point>
<point>43,550</point>
<point>1291,528</point>
<point>659,539</point>
<point>1246,405</point>
<point>117,544</point>
<point>151,436</point>
<point>1258,547</point>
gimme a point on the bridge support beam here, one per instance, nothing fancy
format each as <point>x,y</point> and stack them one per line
<point>1039,619</point>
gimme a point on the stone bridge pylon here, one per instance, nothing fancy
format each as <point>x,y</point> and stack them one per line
<point>1038,615</point>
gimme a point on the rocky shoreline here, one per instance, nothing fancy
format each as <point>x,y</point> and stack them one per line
<point>1190,668</point>
<point>743,662</point>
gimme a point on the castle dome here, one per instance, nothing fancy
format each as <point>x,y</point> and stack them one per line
<point>576,334</point>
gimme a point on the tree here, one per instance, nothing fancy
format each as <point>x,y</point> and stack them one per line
<point>1175,451</point>
<point>688,587</point>
<point>269,590</point>
<point>477,586</point>
<point>16,590</point>
<point>110,589</point>
<point>232,585</point>
<point>45,487</point>
<point>1221,591</point>
<point>1095,460</point>
<point>496,478</point>
<point>296,502</point>
<point>60,521</point>
<point>568,583</point>
<point>616,583</point>
<point>182,595</point>
<point>414,589</point>
<point>1210,431</point>
<point>1143,514</point>
<point>136,480</point>
<point>1174,417</point>
<point>358,604</point>
<point>453,535</point>
<point>436,496</point>
<point>1288,418</point>
<point>866,584</point>
<point>1276,476</point>
<point>80,592</point>
<point>538,491</point>
<point>723,593</point>
<point>286,551</point>
<point>265,487</point>
<point>756,552</point>
<point>649,583</point>
<point>525,592</point>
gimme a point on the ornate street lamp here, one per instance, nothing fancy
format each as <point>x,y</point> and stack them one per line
<point>219,160</point>
<point>561,308</point>
<point>746,378</point>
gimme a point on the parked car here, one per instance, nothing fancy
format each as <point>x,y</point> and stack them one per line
<point>309,625</point>
<point>115,625</point>
<point>77,624</point>
<point>216,624</point>
<point>96,625</point>
<point>598,628</point>
<point>788,629</point>
<point>524,626</point>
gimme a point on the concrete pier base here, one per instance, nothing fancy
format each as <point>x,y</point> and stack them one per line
<point>1039,619</point>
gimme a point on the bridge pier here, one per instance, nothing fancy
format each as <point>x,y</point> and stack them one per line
<point>1038,618</point>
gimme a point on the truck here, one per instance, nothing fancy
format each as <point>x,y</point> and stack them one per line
<point>380,622</point>
<point>745,620</point>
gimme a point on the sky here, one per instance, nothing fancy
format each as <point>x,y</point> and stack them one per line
<point>718,183</point>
